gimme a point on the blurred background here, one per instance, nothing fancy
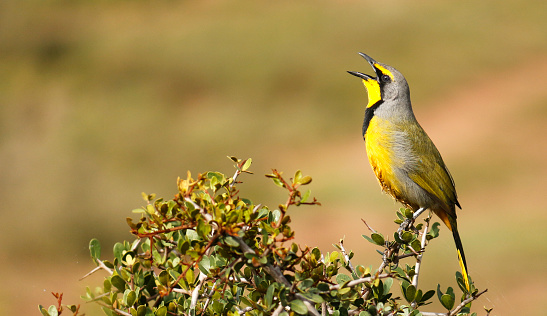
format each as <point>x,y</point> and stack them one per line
<point>100,101</point>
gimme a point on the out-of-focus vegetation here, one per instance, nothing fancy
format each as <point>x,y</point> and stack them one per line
<point>102,100</point>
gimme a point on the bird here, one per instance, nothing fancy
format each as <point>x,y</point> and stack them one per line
<point>405,161</point>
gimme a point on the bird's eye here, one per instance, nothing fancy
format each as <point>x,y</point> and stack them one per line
<point>385,78</point>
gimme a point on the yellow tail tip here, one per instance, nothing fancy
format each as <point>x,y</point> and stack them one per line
<point>464,272</point>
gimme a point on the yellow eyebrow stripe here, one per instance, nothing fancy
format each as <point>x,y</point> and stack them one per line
<point>385,71</point>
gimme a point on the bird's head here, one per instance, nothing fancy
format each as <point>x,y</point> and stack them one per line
<point>389,84</point>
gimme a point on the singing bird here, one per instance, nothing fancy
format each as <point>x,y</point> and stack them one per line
<point>404,159</point>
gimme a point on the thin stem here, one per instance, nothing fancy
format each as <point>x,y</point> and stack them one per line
<point>210,294</point>
<point>195,292</point>
<point>418,212</point>
<point>368,226</point>
<point>97,268</point>
<point>101,265</point>
<point>346,257</point>
<point>420,256</point>
<point>120,312</point>
<point>359,281</point>
<point>234,178</point>
<point>278,310</point>
<point>456,310</point>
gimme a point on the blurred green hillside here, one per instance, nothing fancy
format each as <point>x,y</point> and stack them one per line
<point>102,100</point>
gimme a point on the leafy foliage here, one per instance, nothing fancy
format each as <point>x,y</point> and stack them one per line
<point>209,251</point>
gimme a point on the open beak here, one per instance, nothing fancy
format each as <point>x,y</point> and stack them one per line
<point>365,76</point>
<point>372,84</point>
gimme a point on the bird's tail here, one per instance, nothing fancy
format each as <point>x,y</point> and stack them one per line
<point>461,256</point>
<point>453,226</point>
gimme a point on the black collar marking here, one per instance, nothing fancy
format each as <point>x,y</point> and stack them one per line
<point>369,113</point>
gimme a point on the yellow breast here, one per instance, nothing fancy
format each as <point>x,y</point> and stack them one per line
<point>379,145</point>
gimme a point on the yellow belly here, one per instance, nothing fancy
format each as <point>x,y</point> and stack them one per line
<point>380,154</point>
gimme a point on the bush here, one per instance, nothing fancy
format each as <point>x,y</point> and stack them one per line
<point>210,251</point>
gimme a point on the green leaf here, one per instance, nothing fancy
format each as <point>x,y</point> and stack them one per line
<point>367,238</point>
<point>72,308</point>
<point>203,229</point>
<point>408,213</point>
<point>129,297</point>
<point>305,284</point>
<point>118,282</point>
<point>305,180</point>
<point>333,256</point>
<point>299,307</point>
<point>406,237</point>
<point>234,159</point>
<point>416,245</point>
<point>305,196</point>
<point>148,197</point>
<point>342,278</point>
<point>278,182</point>
<point>410,293</point>
<point>95,249</point>
<point>246,301</point>
<point>316,298</point>
<point>378,239</point>
<point>434,232</point>
<point>268,299</point>
<point>448,301</point>
<point>297,176</point>
<point>461,283</point>
<point>418,297</point>
<point>439,292</point>
<point>162,311</point>
<point>118,250</point>
<point>141,310</point>
<point>323,287</point>
<point>427,295</point>
<point>108,312</point>
<point>130,220</point>
<point>183,246</point>
<point>204,265</point>
<point>164,278</point>
<point>52,310</point>
<point>246,164</point>
<point>231,241</point>
<point>192,235</point>
<point>316,253</point>
<point>43,310</point>
<point>387,285</point>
